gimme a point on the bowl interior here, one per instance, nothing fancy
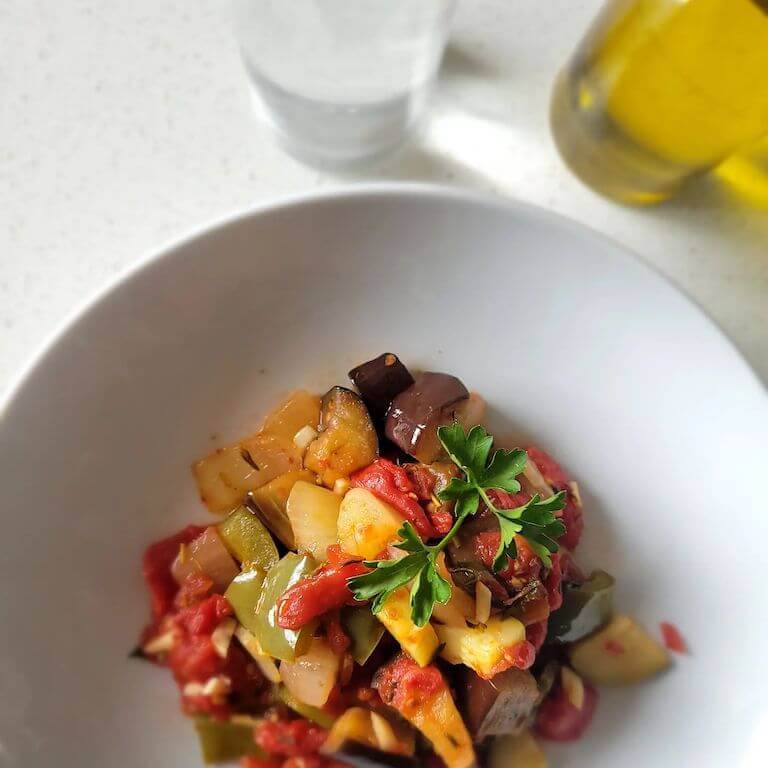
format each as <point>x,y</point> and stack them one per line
<point>573,343</point>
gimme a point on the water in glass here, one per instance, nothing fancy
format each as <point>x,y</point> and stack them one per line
<point>342,80</point>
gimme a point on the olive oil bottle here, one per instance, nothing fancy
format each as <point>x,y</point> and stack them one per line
<point>660,90</point>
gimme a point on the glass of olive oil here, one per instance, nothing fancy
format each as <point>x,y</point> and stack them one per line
<point>661,90</point>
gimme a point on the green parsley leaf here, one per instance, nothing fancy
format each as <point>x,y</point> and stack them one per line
<point>536,522</point>
<point>429,588</point>
<point>504,468</point>
<point>420,567</point>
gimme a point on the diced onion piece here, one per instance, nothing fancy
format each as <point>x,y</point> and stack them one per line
<point>536,480</point>
<point>247,720</point>
<point>206,554</point>
<point>311,677</point>
<point>160,644</point>
<point>385,735</point>
<point>573,686</point>
<point>265,663</point>
<point>341,486</point>
<point>217,688</point>
<point>304,437</point>
<point>482,603</point>
<point>222,636</point>
<point>575,492</point>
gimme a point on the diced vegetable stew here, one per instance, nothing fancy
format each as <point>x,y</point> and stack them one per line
<point>349,607</point>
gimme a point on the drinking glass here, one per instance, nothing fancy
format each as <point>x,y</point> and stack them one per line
<point>342,80</point>
<point>660,90</point>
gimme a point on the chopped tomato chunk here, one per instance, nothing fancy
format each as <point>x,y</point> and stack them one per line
<point>403,684</point>
<point>323,591</point>
<point>554,584</point>
<point>289,738</point>
<point>556,476</point>
<point>536,634</point>
<point>338,639</point>
<point>525,567</point>
<point>392,484</point>
<point>156,565</point>
<point>423,480</point>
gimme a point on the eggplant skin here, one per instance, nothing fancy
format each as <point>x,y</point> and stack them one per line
<point>500,706</point>
<point>380,381</point>
<point>417,412</point>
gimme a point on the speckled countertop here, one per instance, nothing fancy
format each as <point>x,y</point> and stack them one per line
<point>125,124</point>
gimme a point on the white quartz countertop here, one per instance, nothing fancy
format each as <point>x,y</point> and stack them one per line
<point>127,123</point>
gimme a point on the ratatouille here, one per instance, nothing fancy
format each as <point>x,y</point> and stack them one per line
<point>385,589</point>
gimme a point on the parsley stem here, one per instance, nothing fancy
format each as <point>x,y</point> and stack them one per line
<point>448,536</point>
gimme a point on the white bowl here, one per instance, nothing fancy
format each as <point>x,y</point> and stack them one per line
<point>572,341</point>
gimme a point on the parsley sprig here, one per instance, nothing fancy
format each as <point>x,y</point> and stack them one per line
<point>535,521</point>
<point>419,566</point>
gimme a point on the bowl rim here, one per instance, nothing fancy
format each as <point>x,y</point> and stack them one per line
<point>424,190</point>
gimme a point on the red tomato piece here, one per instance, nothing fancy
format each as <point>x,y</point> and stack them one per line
<point>557,477</point>
<point>522,655</point>
<point>504,500</point>
<point>203,618</point>
<point>289,738</point>
<point>573,520</point>
<point>193,659</point>
<point>559,720</point>
<point>554,583</point>
<point>338,639</point>
<point>204,705</point>
<point>337,556</point>
<point>526,566</point>
<point>673,638</point>
<point>156,566</point>
<point>392,484</point>
<point>536,634</point>
<point>403,684</point>
<point>422,479</point>
<point>552,472</point>
<point>323,591</point>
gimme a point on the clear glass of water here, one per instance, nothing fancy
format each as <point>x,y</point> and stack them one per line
<point>342,80</point>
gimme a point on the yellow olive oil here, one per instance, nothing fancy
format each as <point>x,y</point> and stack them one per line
<point>746,174</point>
<point>660,90</point>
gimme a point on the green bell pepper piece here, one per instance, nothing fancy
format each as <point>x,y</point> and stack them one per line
<point>586,607</point>
<point>248,540</point>
<point>364,630</point>
<point>244,593</point>
<point>315,714</point>
<point>284,644</point>
<point>221,742</point>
